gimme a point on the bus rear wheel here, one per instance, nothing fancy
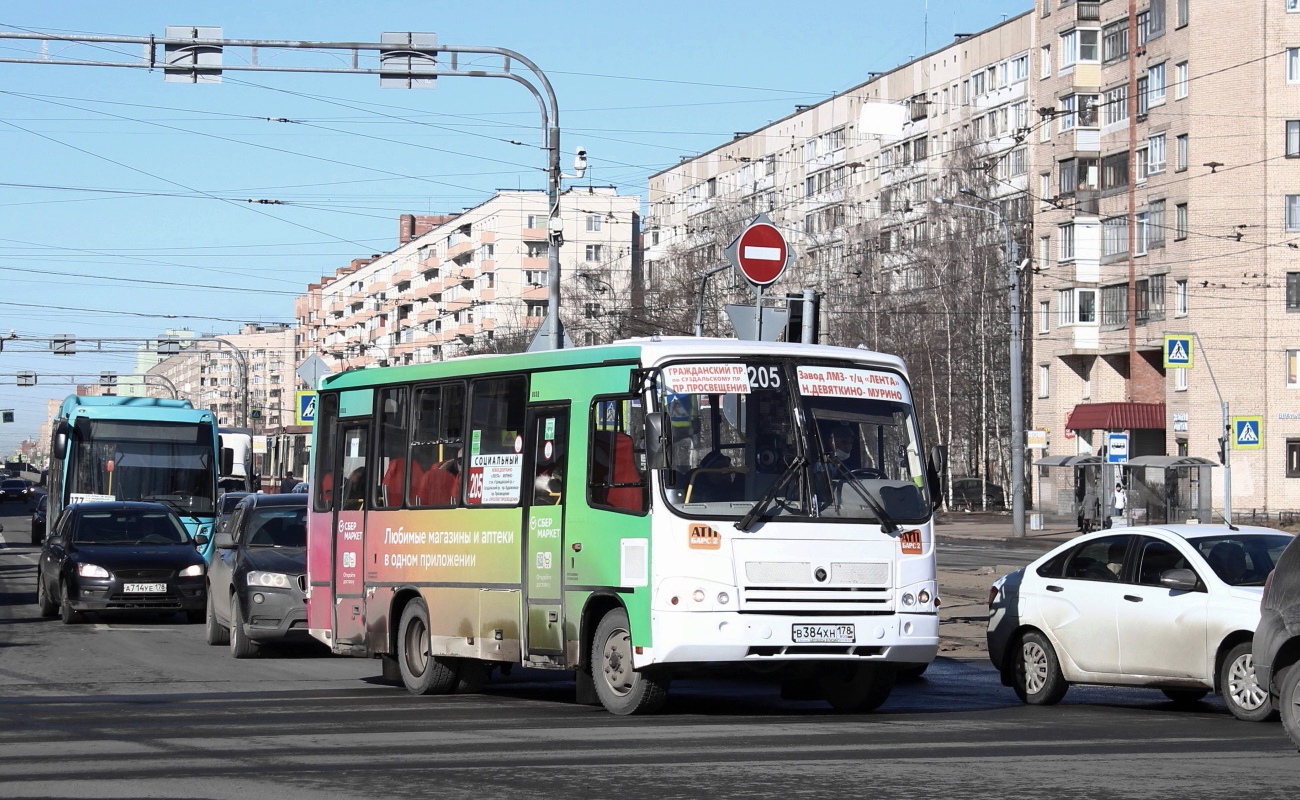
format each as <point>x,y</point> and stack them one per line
<point>422,673</point>
<point>857,688</point>
<point>622,689</point>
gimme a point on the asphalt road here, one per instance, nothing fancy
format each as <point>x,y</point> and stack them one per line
<point>144,708</point>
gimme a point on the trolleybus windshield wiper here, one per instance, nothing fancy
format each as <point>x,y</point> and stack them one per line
<point>754,513</point>
<point>887,523</point>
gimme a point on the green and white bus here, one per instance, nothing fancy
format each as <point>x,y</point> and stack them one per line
<point>632,513</point>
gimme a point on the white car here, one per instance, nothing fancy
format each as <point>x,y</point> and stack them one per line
<point>1172,607</point>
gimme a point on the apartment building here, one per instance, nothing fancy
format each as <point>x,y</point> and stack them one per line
<point>851,183</point>
<point>477,282</point>
<point>214,377</point>
<point>1167,200</point>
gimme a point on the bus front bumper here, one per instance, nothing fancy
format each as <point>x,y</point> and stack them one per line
<point>692,637</point>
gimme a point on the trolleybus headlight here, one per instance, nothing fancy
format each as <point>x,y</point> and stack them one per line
<point>923,597</point>
<point>908,599</point>
<point>698,595</point>
<point>92,571</point>
<point>723,598</point>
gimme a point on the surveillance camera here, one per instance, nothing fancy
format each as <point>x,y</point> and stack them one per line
<point>580,161</point>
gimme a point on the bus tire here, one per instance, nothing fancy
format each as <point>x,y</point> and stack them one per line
<point>422,673</point>
<point>857,688</point>
<point>622,689</point>
<point>471,675</point>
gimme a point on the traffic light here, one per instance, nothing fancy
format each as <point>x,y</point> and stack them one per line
<point>800,311</point>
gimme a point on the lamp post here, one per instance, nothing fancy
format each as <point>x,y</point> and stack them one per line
<point>1016,357</point>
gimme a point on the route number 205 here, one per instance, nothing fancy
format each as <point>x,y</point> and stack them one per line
<point>764,377</point>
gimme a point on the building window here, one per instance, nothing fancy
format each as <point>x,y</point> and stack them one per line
<point>1089,46</point>
<point>1116,105</point>
<point>1141,229</point>
<point>1065,307</point>
<point>1045,192</point>
<point>1153,295</point>
<point>1156,223</point>
<point>1044,380</point>
<point>1180,221</point>
<point>593,252</point>
<point>531,221</point>
<point>1293,291</point>
<point>1115,41</point>
<point>1180,299</point>
<point>1070,118</point>
<point>1155,154</point>
<point>1114,306</point>
<point>1114,171</point>
<point>1114,236</point>
<point>1293,136</point>
<point>1180,380</point>
<point>1183,13</point>
<point>1292,6</point>
<point>1086,305</point>
<point>1066,238</point>
<point>1044,317</point>
<point>1293,65</point>
<point>1068,176</point>
<point>1293,369</point>
<point>593,222</point>
<point>1293,212</point>
<point>1156,84</point>
<point>1183,144</point>
<point>1180,80</point>
<point>1045,61</point>
<point>1141,169</point>
<point>1156,23</point>
<point>1143,96</point>
<point>1044,252</point>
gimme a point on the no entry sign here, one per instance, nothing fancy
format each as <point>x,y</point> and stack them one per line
<point>760,252</point>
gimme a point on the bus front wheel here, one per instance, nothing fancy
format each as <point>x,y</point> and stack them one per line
<point>422,673</point>
<point>850,688</point>
<point>622,689</point>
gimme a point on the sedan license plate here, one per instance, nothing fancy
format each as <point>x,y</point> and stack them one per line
<point>823,634</point>
<point>145,588</point>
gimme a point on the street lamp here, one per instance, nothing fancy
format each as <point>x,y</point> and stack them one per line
<point>1017,388</point>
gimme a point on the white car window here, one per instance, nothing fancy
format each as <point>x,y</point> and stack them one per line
<point>1098,559</point>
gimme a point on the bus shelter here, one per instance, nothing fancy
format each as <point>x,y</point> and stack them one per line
<point>1063,482</point>
<point>1169,489</point>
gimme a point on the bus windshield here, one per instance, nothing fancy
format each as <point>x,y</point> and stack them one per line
<point>804,441</point>
<point>162,462</point>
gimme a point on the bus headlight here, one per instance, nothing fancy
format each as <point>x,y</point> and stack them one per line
<point>908,599</point>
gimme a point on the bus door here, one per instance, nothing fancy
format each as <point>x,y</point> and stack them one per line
<point>547,430</point>
<point>350,482</point>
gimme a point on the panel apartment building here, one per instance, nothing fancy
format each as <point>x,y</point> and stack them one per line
<point>850,181</point>
<point>1167,200</point>
<point>477,282</point>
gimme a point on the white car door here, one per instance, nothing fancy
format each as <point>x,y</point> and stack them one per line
<point>1080,607</point>
<point>1162,631</point>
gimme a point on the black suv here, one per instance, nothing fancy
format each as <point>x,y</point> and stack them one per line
<point>1277,639</point>
<point>257,582</point>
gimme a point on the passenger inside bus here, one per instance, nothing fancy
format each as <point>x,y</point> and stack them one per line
<point>354,491</point>
<point>392,482</point>
<point>434,482</point>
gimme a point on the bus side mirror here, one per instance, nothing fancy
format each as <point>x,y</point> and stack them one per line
<point>227,460</point>
<point>656,441</point>
<point>60,444</point>
<point>938,464</point>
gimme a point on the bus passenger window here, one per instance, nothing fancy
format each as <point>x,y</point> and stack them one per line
<point>436,441</point>
<point>391,470</point>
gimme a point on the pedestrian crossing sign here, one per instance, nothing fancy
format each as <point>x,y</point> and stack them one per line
<point>1247,433</point>
<point>1178,351</point>
<point>304,408</point>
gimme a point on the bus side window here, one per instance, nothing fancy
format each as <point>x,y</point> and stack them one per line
<point>497,411</point>
<point>391,469</point>
<point>615,480</point>
<point>435,446</point>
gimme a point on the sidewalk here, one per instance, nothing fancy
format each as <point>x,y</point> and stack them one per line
<point>963,616</point>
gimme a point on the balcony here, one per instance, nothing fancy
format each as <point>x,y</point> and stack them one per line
<point>534,234</point>
<point>1088,10</point>
<point>460,249</point>
<point>401,276</point>
<point>533,293</point>
<point>534,262</point>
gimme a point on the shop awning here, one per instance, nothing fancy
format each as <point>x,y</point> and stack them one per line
<point>1116,416</point>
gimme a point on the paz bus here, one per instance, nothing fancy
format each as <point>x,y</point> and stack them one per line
<point>136,448</point>
<point>631,513</point>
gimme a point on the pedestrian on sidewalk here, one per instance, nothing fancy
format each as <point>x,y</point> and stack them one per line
<point>1091,512</point>
<point>1121,499</point>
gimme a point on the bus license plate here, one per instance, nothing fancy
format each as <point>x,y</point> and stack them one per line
<point>145,588</point>
<point>823,634</point>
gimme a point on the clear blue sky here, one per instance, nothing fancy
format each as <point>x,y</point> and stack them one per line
<point>114,174</point>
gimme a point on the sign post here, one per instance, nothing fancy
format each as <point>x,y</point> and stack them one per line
<point>762,254</point>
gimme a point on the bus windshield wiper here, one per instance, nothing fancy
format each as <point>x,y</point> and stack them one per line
<point>887,523</point>
<point>754,513</point>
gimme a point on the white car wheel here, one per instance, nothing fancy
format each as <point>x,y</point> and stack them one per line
<point>1240,689</point>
